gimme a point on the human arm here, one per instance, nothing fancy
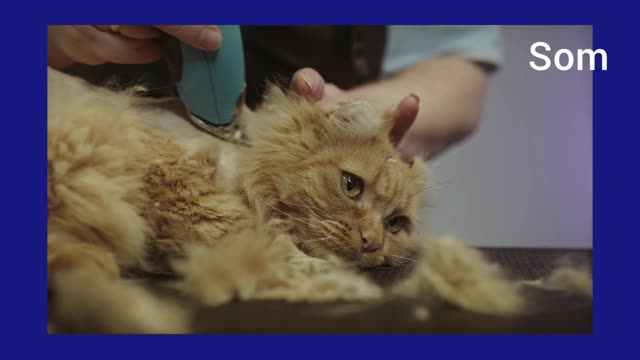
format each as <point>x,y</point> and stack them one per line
<point>450,93</point>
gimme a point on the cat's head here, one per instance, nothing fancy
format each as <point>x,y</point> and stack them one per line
<point>334,177</point>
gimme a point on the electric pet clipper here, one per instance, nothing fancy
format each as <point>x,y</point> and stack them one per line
<point>211,83</point>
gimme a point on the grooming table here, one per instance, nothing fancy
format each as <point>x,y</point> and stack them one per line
<point>562,314</point>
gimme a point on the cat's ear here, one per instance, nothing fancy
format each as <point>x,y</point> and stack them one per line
<point>357,117</point>
<point>400,118</point>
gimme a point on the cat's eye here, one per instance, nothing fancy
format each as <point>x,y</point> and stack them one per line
<point>395,223</point>
<point>352,185</point>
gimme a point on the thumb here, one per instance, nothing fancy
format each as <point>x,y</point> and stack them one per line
<point>308,83</point>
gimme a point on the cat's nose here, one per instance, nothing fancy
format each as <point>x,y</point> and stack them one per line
<point>370,244</point>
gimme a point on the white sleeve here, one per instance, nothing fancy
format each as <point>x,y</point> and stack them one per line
<point>410,44</point>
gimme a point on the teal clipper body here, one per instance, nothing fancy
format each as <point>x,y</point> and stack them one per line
<point>211,83</point>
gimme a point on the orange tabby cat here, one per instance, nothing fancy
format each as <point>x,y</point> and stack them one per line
<point>126,193</point>
<point>321,189</point>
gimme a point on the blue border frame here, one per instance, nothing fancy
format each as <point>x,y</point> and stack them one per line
<point>616,181</point>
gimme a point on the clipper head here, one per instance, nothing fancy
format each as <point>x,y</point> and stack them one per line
<point>211,84</point>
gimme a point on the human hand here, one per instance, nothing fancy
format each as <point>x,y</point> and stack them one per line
<point>308,83</point>
<point>126,44</point>
<point>452,90</point>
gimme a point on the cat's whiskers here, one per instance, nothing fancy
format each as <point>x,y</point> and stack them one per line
<point>401,257</point>
<point>310,207</point>
<point>314,241</point>
<point>314,213</point>
<point>289,215</point>
<point>328,239</point>
<point>318,217</point>
<point>305,243</point>
<point>434,186</point>
<point>316,209</point>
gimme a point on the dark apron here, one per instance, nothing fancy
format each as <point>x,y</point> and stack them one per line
<point>344,55</point>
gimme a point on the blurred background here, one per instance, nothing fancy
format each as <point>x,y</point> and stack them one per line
<point>525,178</point>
